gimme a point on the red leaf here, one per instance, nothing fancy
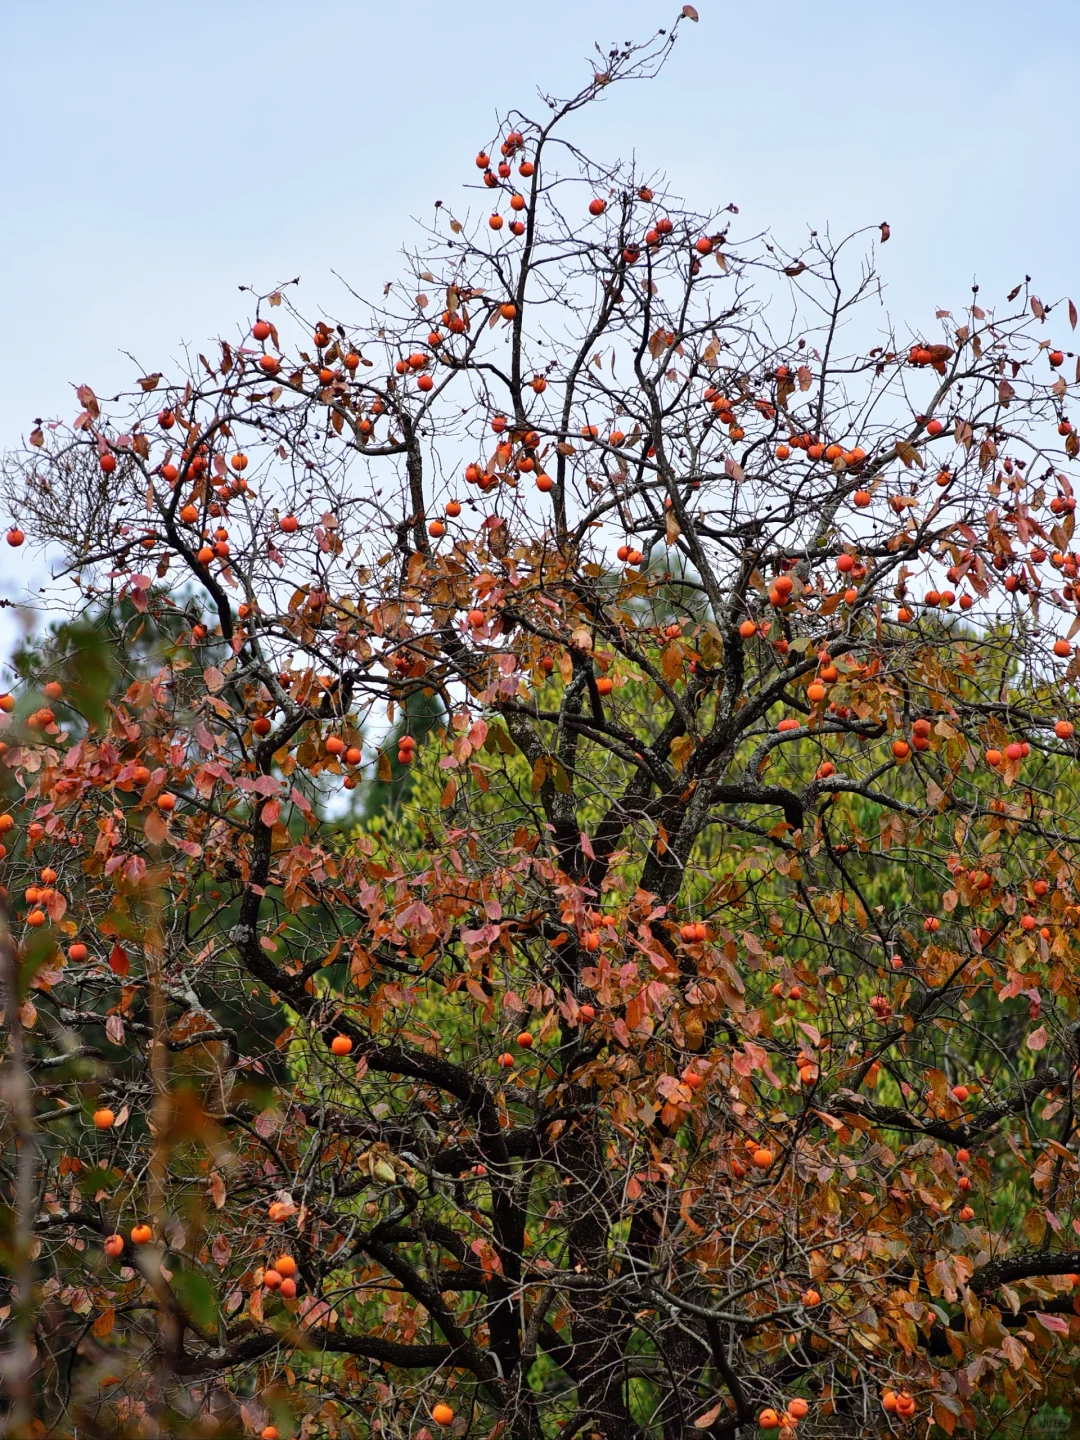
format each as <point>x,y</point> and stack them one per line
<point>1052,1322</point>
<point>119,963</point>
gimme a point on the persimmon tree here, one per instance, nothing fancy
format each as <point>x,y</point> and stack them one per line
<point>686,1041</point>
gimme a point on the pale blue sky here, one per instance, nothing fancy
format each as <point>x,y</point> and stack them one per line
<point>156,156</point>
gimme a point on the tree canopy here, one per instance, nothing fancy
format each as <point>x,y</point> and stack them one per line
<point>539,848</point>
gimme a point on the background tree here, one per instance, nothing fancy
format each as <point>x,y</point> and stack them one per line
<point>696,1049</point>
